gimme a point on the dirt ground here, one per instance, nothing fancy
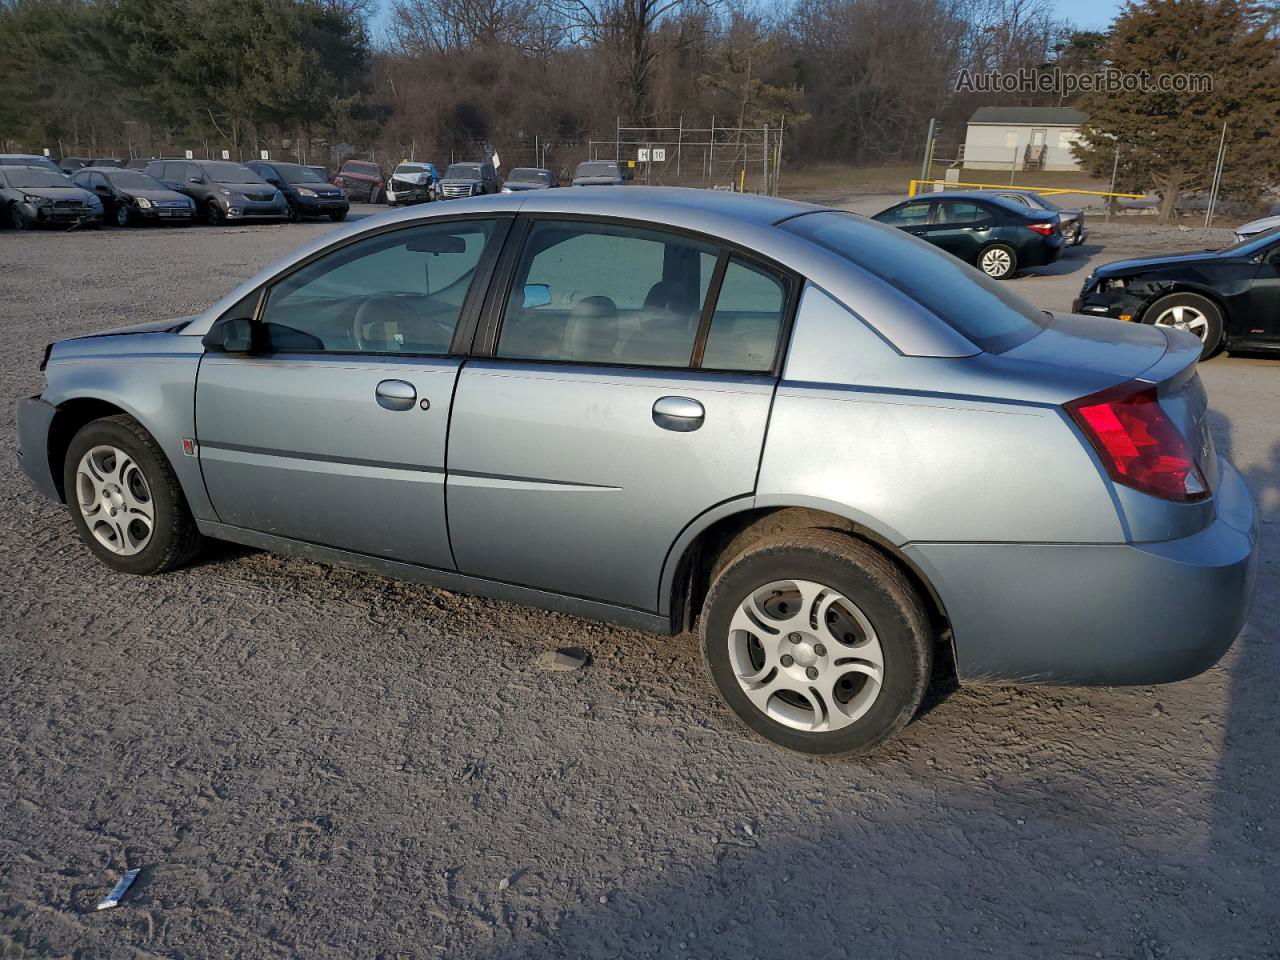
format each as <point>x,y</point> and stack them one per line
<point>307,762</point>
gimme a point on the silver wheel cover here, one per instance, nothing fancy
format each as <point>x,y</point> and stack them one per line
<point>115,500</point>
<point>996,262</point>
<point>1185,318</point>
<point>805,655</point>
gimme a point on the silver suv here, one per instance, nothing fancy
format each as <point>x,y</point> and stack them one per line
<point>846,458</point>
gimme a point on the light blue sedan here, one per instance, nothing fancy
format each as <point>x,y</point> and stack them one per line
<point>846,458</point>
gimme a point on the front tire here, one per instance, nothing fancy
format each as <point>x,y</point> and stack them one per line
<point>291,212</point>
<point>125,500</point>
<point>213,214</point>
<point>817,643</point>
<point>17,219</point>
<point>1193,313</point>
<point>123,215</point>
<point>998,261</point>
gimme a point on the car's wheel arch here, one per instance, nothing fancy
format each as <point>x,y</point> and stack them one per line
<point>722,532</point>
<point>1183,286</point>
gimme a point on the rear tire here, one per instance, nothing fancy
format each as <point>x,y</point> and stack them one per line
<point>114,464</point>
<point>817,643</point>
<point>998,261</point>
<point>1193,313</point>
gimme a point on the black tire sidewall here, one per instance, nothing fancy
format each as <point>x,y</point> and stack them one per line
<point>169,512</point>
<point>1013,260</point>
<point>213,214</point>
<point>122,221</point>
<point>1213,341</point>
<point>907,654</point>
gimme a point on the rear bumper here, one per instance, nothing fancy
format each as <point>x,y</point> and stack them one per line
<point>34,419</point>
<point>1099,614</point>
<point>1044,253</point>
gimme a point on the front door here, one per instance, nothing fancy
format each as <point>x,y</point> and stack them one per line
<point>1263,321</point>
<point>333,430</point>
<point>627,392</point>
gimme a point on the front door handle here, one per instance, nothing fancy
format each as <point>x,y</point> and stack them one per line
<point>680,414</point>
<point>395,395</point>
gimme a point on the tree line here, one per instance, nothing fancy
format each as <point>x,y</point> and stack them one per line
<point>857,80</point>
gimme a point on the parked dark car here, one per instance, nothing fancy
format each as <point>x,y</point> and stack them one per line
<point>362,180</point>
<point>34,196</point>
<point>70,165</point>
<point>529,178</point>
<point>468,180</point>
<point>1070,221</point>
<point>307,193</point>
<point>598,173</point>
<point>223,190</point>
<point>1228,298</point>
<point>412,182</point>
<point>131,197</point>
<point>997,236</point>
<point>28,160</point>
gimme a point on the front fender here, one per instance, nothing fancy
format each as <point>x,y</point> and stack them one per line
<point>149,376</point>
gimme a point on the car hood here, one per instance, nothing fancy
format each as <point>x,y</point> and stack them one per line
<point>1258,226</point>
<point>1120,268</point>
<point>151,326</point>
<point>247,187</point>
<point>596,181</point>
<point>157,196</point>
<point>56,193</point>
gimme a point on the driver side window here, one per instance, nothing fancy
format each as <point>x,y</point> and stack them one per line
<point>399,292</point>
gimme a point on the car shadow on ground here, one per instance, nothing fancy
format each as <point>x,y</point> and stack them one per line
<point>903,878</point>
<point>1073,260</point>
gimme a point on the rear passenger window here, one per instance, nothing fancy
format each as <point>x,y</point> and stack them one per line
<point>748,317</point>
<point>959,211</point>
<point>607,294</point>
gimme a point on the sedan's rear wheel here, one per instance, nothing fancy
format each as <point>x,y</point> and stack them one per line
<point>818,643</point>
<point>1193,313</point>
<point>125,500</point>
<point>998,261</point>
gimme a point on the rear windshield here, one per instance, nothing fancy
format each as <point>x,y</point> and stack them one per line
<point>33,177</point>
<point>530,175</point>
<point>597,170</point>
<point>463,170</point>
<point>981,309</point>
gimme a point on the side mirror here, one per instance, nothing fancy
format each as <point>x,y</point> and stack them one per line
<point>232,335</point>
<point>195,180</point>
<point>536,295</point>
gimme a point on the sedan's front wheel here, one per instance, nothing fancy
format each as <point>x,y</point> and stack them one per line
<point>998,261</point>
<point>1193,313</point>
<point>123,215</point>
<point>125,500</point>
<point>817,642</point>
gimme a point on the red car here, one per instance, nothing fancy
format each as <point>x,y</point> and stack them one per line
<point>362,180</point>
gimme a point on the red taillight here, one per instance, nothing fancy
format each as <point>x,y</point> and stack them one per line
<point>1138,443</point>
<point>1044,229</point>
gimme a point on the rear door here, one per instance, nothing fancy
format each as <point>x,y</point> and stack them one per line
<point>960,227</point>
<point>333,430</point>
<point>622,388</point>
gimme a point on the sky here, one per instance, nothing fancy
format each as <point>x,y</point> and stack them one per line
<point>1089,14</point>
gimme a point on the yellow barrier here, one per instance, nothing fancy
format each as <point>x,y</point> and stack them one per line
<point>914,187</point>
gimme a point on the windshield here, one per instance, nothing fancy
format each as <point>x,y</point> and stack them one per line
<point>411,168</point>
<point>296,174</point>
<point>980,308</point>
<point>133,180</point>
<point>43,162</point>
<point>595,169</point>
<point>31,177</point>
<point>230,173</point>
<point>530,175</point>
<point>464,170</point>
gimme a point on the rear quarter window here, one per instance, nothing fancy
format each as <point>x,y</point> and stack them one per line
<point>982,310</point>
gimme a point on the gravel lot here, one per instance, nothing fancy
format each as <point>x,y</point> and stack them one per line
<point>310,762</point>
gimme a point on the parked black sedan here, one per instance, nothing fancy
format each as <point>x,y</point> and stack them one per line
<point>306,191</point>
<point>997,236</point>
<point>33,196</point>
<point>1228,298</point>
<point>530,178</point>
<point>131,197</point>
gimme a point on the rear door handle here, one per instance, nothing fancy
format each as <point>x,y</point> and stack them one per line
<point>680,414</point>
<point>395,395</point>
